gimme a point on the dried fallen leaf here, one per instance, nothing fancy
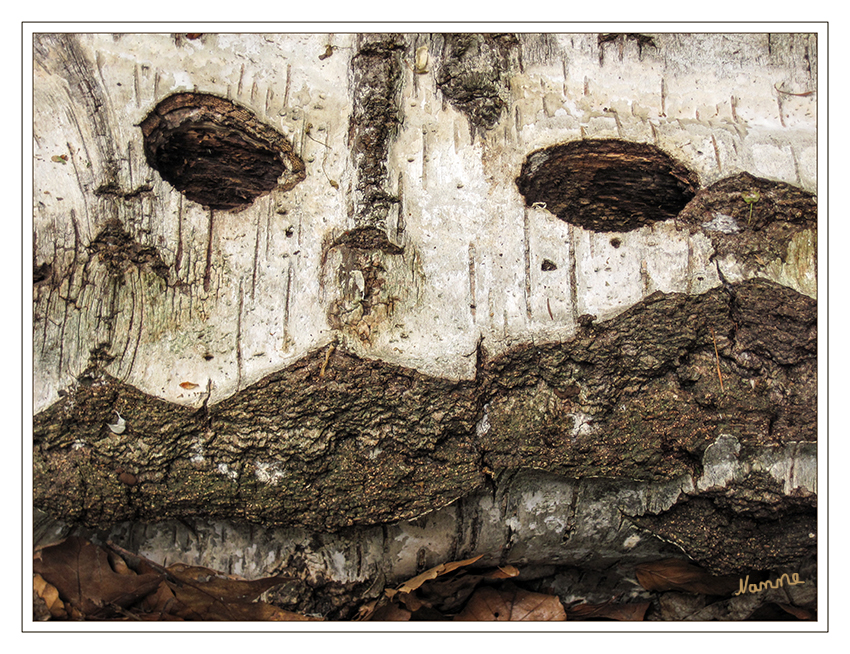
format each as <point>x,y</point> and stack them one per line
<point>797,611</point>
<point>450,593</point>
<point>608,611</point>
<point>412,584</point>
<point>204,594</point>
<point>159,601</point>
<point>511,603</point>
<point>82,574</point>
<point>48,593</point>
<point>390,613</point>
<point>676,574</point>
<point>188,385</point>
<point>503,572</point>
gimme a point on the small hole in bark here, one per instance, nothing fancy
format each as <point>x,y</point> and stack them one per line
<point>607,185</point>
<point>217,153</point>
<point>615,242</point>
<point>548,265</point>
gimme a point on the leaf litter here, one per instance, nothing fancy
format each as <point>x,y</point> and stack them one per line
<point>76,579</point>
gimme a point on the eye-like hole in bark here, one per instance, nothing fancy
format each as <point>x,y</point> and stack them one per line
<point>606,185</point>
<point>217,153</point>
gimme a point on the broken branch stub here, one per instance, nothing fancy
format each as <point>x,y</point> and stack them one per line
<point>607,185</point>
<point>217,153</point>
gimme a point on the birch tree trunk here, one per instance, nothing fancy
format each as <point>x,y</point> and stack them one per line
<point>388,299</point>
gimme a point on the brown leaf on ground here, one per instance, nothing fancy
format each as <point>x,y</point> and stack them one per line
<point>159,601</point>
<point>448,594</point>
<point>503,572</point>
<point>675,574</point>
<point>203,594</point>
<point>84,577</point>
<point>444,568</point>
<point>390,613</point>
<point>433,594</point>
<point>608,611</point>
<point>511,604</point>
<point>797,611</point>
<point>50,596</point>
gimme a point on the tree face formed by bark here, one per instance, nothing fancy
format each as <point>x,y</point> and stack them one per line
<point>424,227</point>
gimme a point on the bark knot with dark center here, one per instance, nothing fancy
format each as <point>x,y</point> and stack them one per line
<point>217,153</point>
<point>606,185</point>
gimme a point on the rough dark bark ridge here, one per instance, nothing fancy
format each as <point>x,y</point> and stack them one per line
<point>377,71</point>
<point>335,441</point>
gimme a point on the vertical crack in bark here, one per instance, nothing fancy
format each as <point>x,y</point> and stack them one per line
<point>208,265</point>
<point>239,337</point>
<point>526,246</point>
<point>178,257</point>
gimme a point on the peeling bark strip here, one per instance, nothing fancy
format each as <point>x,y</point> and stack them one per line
<point>217,153</point>
<point>369,442</point>
<point>475,75</point>
<point>377,80</point>
<point>607,185</point>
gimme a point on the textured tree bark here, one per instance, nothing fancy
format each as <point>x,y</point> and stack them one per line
<point>336,441</point>
<point>684,421</point>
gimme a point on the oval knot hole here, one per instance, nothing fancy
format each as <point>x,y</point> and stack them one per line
<point>217,153</point>
<point>607,185</point>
